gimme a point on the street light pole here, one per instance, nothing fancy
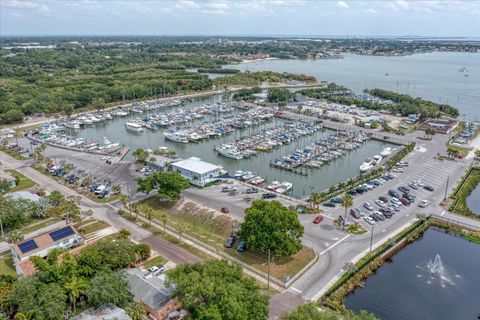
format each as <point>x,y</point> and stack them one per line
<point>446,188</point>
<point>371,239</point>
<point>268,270</point>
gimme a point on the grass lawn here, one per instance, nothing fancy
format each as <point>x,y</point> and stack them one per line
<point>356,228</point>
<point>213,230</point>
<point>92,227</point>
<point>6,264</point>
<point>154,262</point>
<point>12,153</point>
<point>94,198</point>
<point>23,182</point>
<point>37,224</point>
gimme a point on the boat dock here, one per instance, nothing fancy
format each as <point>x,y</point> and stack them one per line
<point>320,153</point>
<point>121,155</point>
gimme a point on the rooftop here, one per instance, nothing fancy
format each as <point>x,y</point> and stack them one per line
<point>26,195</point>
<point>196,165</point>
<point>150,290</point>
<point>103,313</point>
<point>45,240</point>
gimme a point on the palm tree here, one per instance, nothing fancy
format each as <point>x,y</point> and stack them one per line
<point>163,217</point>
<point>15,236</point>
<point>30,315</point>
<point>315,198</point>
<point>149,212</point>
<point>124,234</point>
<point>75,288</point>
<point>180,230</point>
<point>347,202</point>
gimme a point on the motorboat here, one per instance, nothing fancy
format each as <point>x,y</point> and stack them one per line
<point>134,127</point>
<point>257,180</point>
<point>376,159</point>
<point>386,152</point>
<point>175,137</point>
<point>229,152</point>
<point>284,187</point>
<point>367,165</point>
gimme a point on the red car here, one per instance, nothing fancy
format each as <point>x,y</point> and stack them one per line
<point>224,210</point>
<point>317,219</point>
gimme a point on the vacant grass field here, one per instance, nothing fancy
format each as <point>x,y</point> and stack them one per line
<point>22,181</point>
<point>6,264</point>
<point>94,225</point>
<point>38,224</point>
<point>213,229</point>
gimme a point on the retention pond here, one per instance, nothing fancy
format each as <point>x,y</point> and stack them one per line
<point>434,278</point>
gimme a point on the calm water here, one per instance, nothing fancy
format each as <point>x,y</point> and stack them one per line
<point>402,290</point>
<point>433,76</point>
<point>317,180</point>
<point>473,200</point>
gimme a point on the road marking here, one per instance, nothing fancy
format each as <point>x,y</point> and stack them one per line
<point>295,289</point>
<point>111,206</point>
<point>333,245</point>
<point>443,212</point>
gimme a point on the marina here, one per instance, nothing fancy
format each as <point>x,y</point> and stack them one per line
<point>239,122</point>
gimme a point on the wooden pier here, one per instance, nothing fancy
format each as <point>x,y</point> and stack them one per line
<point>122,155</point>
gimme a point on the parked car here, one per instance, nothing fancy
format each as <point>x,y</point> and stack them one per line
<point>242,246</point>
<point>413,185</point>
<point>229,189</point>
<point>393,193</point>
<point>379,215</point>
<point>405,202</point>
<point>380,203</point>
<point>369,220</point>
<point>317,219</point>
<point>336,200</point>
<point>352,192</point>
<point>429,188</point>
<point>424,203</point>
<point>230,242</point>
<point>384,199</point>
<point>251,190</point>
<point>409,197</point>
<point>224,210</point>
<point>157,269</point>
<point>404,189</point>
<point>329,204</point>
<point>269,195</point>
<point>368,206</point>
<point>102,194</point>
<point>354,212</point>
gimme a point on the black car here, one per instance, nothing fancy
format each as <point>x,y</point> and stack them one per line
<point>429,188</point>
<point>382,198</point>
<point>329,204</point>
<point>404,189</point>
<point>409,197</point>
<point>352,192</point>
<point>269,195</point>
<point>374,217</point>
<point>102,194</point>
<point>360,190</point>
<point>393,193</point>
<point>251,190</point>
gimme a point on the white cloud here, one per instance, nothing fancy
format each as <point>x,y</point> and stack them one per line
<point>26,5</point>
<point>341,4</point>
<point>371,11</point>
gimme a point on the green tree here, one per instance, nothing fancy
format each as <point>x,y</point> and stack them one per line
<point>163,217</point>
<point>124,234</point>
<point>269,225</point>
<point>4,186</point>
<point>55,198</point>
<point>169,185</point>
<point>107,287</point>
<point>135,310</point>
<point>140,155</point>
<point>75,288</point>
<point>312,311</point>
<point>217,290</point>
<point>30,315</point>
<point>315,198</point>
<point>143,251</point>
<point>14,236</point>
<point>347,202</point>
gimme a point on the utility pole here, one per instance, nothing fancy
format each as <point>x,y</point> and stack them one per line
<point>371,238</point>
<point>268,270</point>
<point>446,188</point>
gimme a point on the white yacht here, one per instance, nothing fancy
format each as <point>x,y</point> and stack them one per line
<point>284,187</point>
<point>229,152</point>
<point>386,152</point>
<point>175,137</point>
<point>134,127</point>
<point>376,159</point>
<point>367,165</point>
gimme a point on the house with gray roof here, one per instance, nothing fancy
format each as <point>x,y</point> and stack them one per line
<point>153,292</point>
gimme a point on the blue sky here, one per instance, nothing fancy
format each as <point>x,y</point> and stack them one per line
<point>241,17</point>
